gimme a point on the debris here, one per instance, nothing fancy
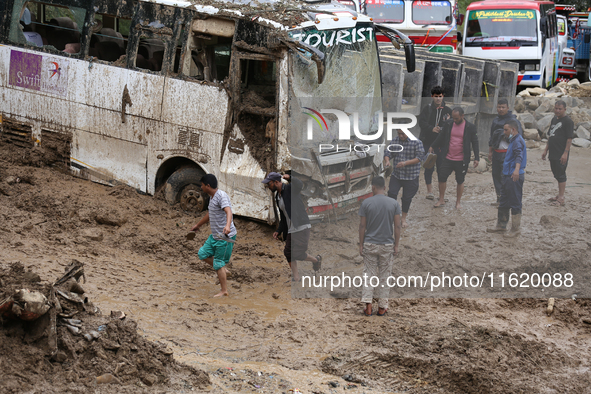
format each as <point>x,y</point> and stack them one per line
<point>107,379</point>
<point>73,330</point>
<point>190,235</point>
<point>550,308</point>
<point>117,315</point>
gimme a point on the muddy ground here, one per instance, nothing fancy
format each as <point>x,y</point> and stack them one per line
<point>260,339</point>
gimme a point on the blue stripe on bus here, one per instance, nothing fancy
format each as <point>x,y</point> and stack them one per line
<point>531,77</point>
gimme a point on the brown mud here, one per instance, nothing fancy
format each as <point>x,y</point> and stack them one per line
<point>260,339</point>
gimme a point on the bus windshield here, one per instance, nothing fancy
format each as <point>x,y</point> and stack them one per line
<point>502,28</point>
<point>385,10</point>
<point>352,81</point>
<point>431,12</point>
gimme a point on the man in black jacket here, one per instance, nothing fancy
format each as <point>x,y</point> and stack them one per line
<point>294,225</point>
<point>454,140</point>
<point>431,120</point>
<point>498,143</point>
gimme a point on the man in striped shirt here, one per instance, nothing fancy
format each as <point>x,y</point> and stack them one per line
<point>405,155</point>
<point>217,250</point>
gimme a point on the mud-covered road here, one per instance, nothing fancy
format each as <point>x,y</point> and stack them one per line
<point>260,339</point>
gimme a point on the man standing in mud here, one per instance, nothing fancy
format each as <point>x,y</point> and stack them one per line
<point>497,143</point>
<point>454,140</point>
<point>431,121</point>
<point>379,235</point>
<point>294,226</point>
<point>560,136</point>
<point>217,249</point>
<point>512,183</point>
<point>406,155</point>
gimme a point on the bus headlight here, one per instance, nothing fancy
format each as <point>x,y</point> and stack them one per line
<point>531,67</point>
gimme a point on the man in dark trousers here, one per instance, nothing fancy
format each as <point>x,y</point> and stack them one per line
<point>431,120</point>
<point>560,136</point>
<point>512,183</point>
<point>294,225</point>
<point>454,140</point>
<point>497,143</point>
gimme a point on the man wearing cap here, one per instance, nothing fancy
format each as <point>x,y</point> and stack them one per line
<point>294,225</point>
<point>217,249</point>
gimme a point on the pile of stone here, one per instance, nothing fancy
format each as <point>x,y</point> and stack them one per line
<point>534,107</point>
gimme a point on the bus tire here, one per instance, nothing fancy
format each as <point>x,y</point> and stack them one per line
<point>184,187</point>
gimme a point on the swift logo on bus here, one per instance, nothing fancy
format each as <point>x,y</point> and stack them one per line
<point>42,73</point>
<point>344,123</point>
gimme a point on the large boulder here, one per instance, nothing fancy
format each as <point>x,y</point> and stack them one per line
<point>523,93</point>
<point>585,125</point>
<point>544,124</point>
<point>541,115</point>
<point>531,103</point>
<point>585,86</point>
<point>536,91</point>
<point>530,144</point>
<point>546,105</point>
<point>583,143</point>
<point>531,134</point>
<point>573,82</point>
<point>583,133</point>
<point>528,120</point>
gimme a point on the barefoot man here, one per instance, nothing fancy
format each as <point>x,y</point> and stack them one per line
<point>454,140</point>
<point>216,251</point>
<point>406,156</point>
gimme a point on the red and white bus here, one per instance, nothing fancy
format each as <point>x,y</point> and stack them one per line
<point>427,23</point>
<point>524,32</point>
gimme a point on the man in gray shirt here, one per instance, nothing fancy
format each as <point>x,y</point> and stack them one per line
<point>217,250</point>
<point>379,236</point>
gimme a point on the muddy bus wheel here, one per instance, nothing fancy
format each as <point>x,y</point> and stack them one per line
<point>184,187</point>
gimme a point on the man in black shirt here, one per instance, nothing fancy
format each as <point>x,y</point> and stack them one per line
<point>431,120</point>
<point>560,136</point>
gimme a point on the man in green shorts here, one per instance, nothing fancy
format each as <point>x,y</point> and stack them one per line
<point>217,250</point>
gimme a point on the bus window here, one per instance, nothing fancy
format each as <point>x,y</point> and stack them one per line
<point>39,24</point>
<point>210,47</point>
<point>501,28</point>
<point>385,10</point>
<point>561,27</point>
<point>150,53</point>
<point>348,3</point>
<point>108,41</point>
<point>431,12</point>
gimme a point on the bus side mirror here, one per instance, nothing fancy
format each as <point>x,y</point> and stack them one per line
<point>460,20</point>
<point>587,38</point>
<point>459,36</point>
<point>409,48</point>
<point>409,54</point>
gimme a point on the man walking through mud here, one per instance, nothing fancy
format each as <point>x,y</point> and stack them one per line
<point>379,236</point>
<point>431,120</point>
<point>512,182</point>
<point>294,226</point>
<point>217,249</point>
<point>497,143</point>
<point>560,136</point>
<point>454,140</point>
<point>407,168</point>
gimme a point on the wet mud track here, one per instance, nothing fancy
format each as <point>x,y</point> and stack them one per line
<point>260,339</point>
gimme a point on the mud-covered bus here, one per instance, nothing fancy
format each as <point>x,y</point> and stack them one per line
<point>154,94</point>
<point>524,32</point>
<point>430,24</point>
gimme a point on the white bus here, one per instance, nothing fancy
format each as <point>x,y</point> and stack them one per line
<point>524,32</point>
<point>155,94</point>
<point>430,24</point>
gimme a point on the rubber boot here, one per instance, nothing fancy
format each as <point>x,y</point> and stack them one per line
<point>515,225</point>
<point>503,219</point>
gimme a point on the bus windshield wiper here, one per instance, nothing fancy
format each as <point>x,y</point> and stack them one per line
<point>483,37</point>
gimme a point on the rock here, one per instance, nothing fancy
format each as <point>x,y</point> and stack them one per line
<point>581,142</point>
<point>573,82</point>
<point>583,133</point>
<point>523,93</point>
<point>481,166</point>
<point>358,260</point>
<point>32,277</point>
<point>540,115</point>
<point>536,91</point>
<point>92,233</point>
<point>531,144</point>
<point>544,124</point>
<point>585,86</point>
<point>545,106</point>
<point>527,120</point>
<point>554,94</point>
<point>531,103</point>
<point>60,356</point>
<point>519,106</point>
<point>558,89</point>
<point>549,221</point>
<point>561,84</point>
<point>586,125</point>
<point>531,134</point>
